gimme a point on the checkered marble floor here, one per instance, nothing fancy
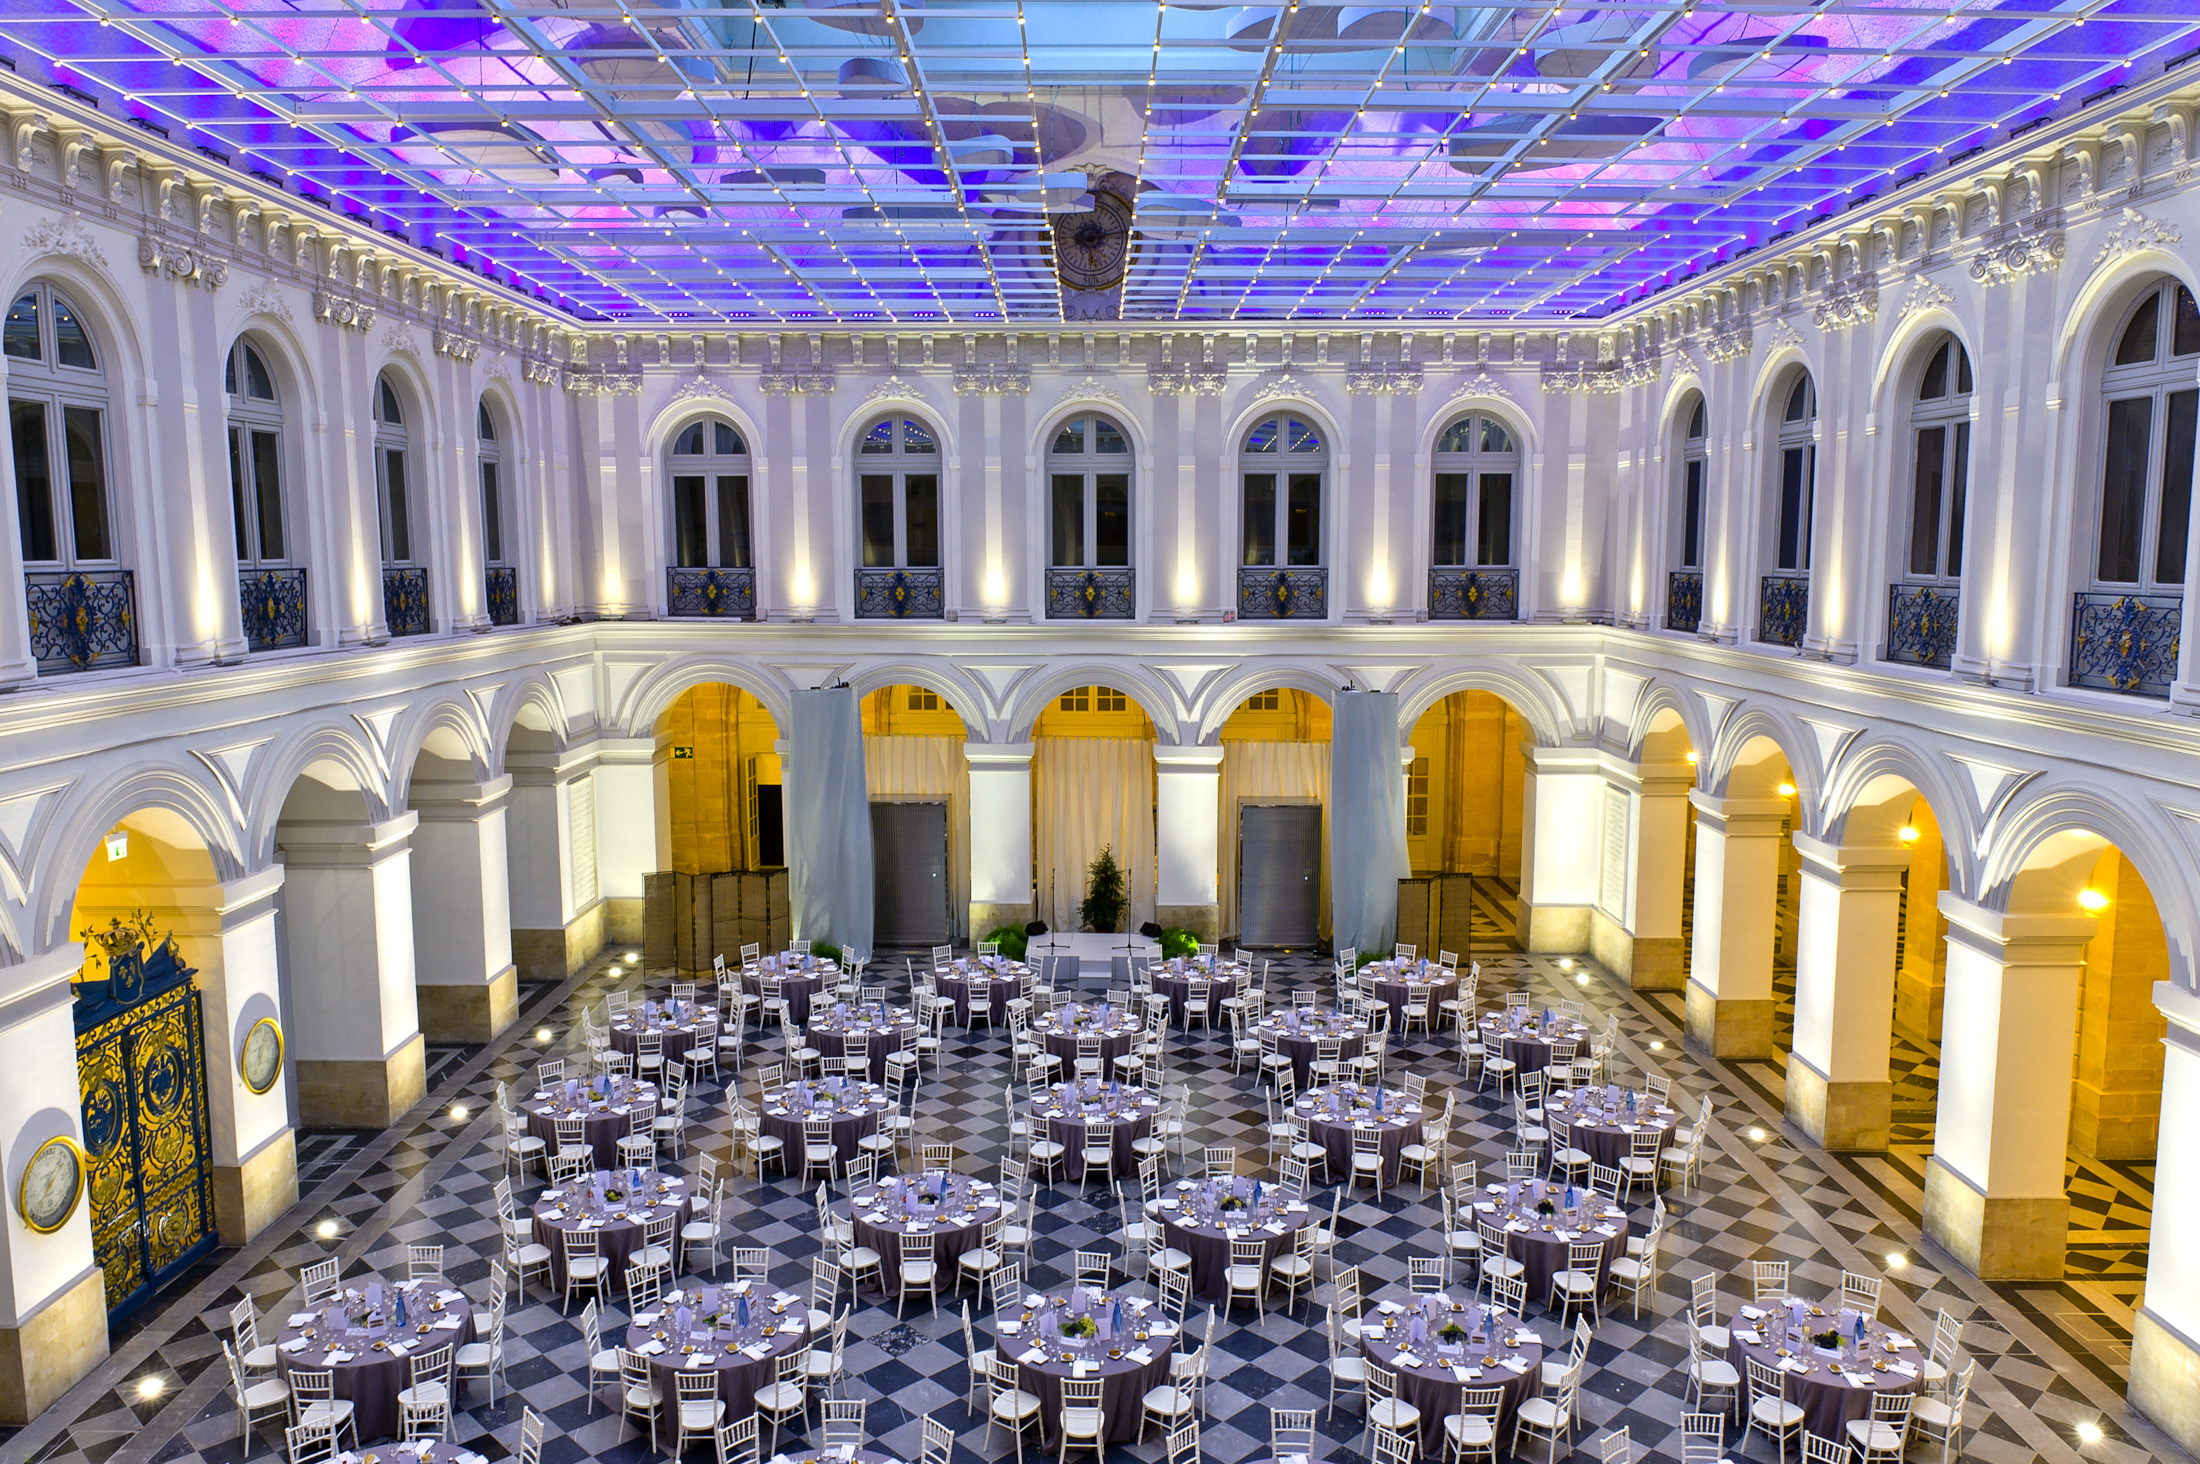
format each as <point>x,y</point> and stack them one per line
<point>164,1393</point>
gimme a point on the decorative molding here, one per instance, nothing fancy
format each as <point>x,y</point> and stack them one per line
<point>1732,341</point>
<point>1396,377</point>
<point>779,380</point>
<point>498,368</point>
<point>539,370</point>
<point>2134,232</point>
<point>65,236</point>
<point>456,346</point>
<point>2023,253</point>
<point>343,310</point>
<point>610,380</point>
<point>891,388</point>
<point>700,388</point>
<point>264,299</point>
<point>1782,334</point>
<point>1604,377</point>
<point>992,380</point>
<point>1483,385</point>
<point>1091,389</point>
<point>157,256</point>
<point>1924,295</point>
<point>1285,385</point>
<point>1853,301</point>
<point>399,336</point>
<point>1206,378</point>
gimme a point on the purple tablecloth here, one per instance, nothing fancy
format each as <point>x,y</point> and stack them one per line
<point>1209,1246</point>
<point>830,1038</point>
<point>1299,1046</point>
<point>603,1125</point>
<point>1116,1038</point>
<point>1542,1253</point>
<point>618,1239</point>
<point>1433,1387</point>
<point>1828,1399</point>
<point>678,1037</point>
<point>1530,1052</point>
<point>739,1374</point>
<point>864,1106</point>
<point>1124,1380</point>
<point>796,986</point>
<point>1393,985</point>
<point>1068,1128</point>
<point>953,1232</point>
<point>1334,1132</point>
<point>1602,1133</point>
<point>373,1379</point>
<point>1000,990</point>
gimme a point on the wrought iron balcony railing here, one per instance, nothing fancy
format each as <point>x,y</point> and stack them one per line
<point>1783,609</point>
<point>1283,594</point>
<point>1090,594</point>
<point>405,599</point>
<point>1473,594</point>
<point>1921,624</point>
<point>500,587</point>
<point>1684,600</point>
<point>901,594</point>
<point>82,619</point>
<point>2125,642</point>
<point>722,594</point>
<point>273,600</point>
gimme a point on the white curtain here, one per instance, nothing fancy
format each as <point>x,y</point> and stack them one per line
<point>929,770</point>
<point>828,821</point>
<point>1368,834</point>
<point>1270,772</point>
<point>1091,792</point>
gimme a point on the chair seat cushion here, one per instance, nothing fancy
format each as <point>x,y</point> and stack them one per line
<point>1712,1373</point>
<point>1349,1369</point>
<point>1866,1433</point>
<point>1169,1258</point>
<point>980,1259</point>
<point>260,1358</point>
<point>1243,1278</point>
<point>638,1396</point>
<point>1630,1270</point>
<point>780,1397</point>
<point>1291,1267</point>
<point>584,1266</point>
<point>1540,1413</point>
<point>1932,1413</point>
<point>1575,1283</point>
<point>474,1354</point>
<point>1014,1406</point>
<point>1470,1429</point>
<point>696,1413</point>
<point>1393,1413</point>
<point>918,1273</point>
<point>1172,1401</point>
<point>269,1394</point>
<point>1714,1338</point>
<point>1775,1412</point>
<point>1081,1423</point>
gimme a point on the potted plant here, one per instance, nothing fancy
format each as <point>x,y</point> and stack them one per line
<point>1178,943</point>
<point>1102,909</point>
<point>1012,941</point>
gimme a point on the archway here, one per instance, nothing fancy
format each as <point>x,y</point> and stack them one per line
<point>462,897</point>
<point>1741,974</point>
<point>918,779</point>
<point>721,880</point>
<point>1466,793</point>
<point>1092,787</point>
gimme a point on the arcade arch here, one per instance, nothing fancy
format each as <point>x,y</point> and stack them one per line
<point>918,779</point>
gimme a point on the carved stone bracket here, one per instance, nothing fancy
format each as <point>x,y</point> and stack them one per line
<point>456,346</point>
<point>2021,254</point>
<point>540,370</point>
<point>1729,342</point>
<point>1206,378</point>
<point>1604,377</point>
<point>992,380</point>
<point>780,380</point>
<point>1373,378</point>
<point>1850,302</point>
<point>611,380</point>
<point>158,256</point>
<point>343,310</point>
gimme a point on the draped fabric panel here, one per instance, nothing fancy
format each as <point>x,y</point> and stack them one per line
<point>1269,772</point>
<point>1367,823</point>
<point>929,770</point>
<point>828,809</point>
<point>1089,792</point>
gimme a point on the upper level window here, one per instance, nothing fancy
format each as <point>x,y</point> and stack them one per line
<point>392,485</point>
<point>1477,463</point>
<point>710,496</point>
<point>2152,406</point>
<point>1089,477</point>
<point>489,453</point>
<point>255,457</point>
<point>1798,475</point>
<point>1282,463</point>
<point>57,419</point>
<point>1940,430</point>
<point>898,482</point>
<point>1689,488</point>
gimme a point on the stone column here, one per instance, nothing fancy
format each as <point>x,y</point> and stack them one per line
<point>347,913</point>
<point>2165,1335</point>
<point>1729,997</point>
<point>1642,941</point>
<point>1562,817</point>
<point>1921,977</point>
<point>553,934</point>
<point>462,911</point>
<point>1000,835</point>
<point>1994,1197</point>
<point>2116,1100</point>
<point>233,943</point>
<point>1188,838</point>
<point>622,848</point>
<point>53,1299</point>
<point>1839,1091</point>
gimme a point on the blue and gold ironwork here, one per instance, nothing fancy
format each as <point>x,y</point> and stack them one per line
<point>1684,600</point>
<point>1473,594</point>
<point>274,604</point>
<point>405,599</point>
<point>1283,594</point>
<point>1921,624</point>
<point>901,594</point>
<point>141,1062</point>
<point>2125,642</point>
<point>724,594</point>
<point>82,619</point>
<point>1089,594</point>
<point>500,585</point>
<point>1783,609</point>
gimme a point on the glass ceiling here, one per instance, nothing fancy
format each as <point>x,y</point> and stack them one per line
<point>935,160</point>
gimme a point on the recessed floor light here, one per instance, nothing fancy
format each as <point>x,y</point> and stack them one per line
<point>542,1034</point>
<point>1756,1136</point>
<point>2089,1433</point>
<point>1657,1047</point>
<point>326,1230</point>
<point>151,1387</point>
<point>458,1111</point>
<point>1896,1260</point>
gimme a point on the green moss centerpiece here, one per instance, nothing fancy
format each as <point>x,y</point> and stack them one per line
<point>1079,1328</point>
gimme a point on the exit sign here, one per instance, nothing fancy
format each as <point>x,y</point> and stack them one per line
<point>683,754</point>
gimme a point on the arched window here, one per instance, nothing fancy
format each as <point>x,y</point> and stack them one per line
<point>1282,464</point>
<point>1798,475</point>
<point>1477,463</point>
<point>489,453</point>
<point>392,485</point>
<point>255,458</point>
<point>1688,490</point>
<point>1089,472</point>
<point>57,411</point>
<point>2151,409</point>
<point>1940,432</point>
<point>710,497</point>
<point>898,482</point>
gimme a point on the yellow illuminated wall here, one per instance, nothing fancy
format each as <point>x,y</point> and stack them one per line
<point>710,743</point>
<point>1464,791</point>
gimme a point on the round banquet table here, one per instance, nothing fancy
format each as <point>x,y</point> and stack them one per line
<point>700,1024</point>
<point>1195,1227</point>
<point>744,1358</point>
<point>1065,1114</point>
<point>415,1451</point>
<point>1044,1359</point>
<point>1003,986</point>
<point>854,1110</point>
<point>1173,979</point>
<point>619,1226</point>
<point>1296,1031</point>
<point>1395,981</point>
<point>1597,1122</point>
<point>887,1028</point>
<point>1539,1242</point>
<point>1828,1398</point>
<point>1059,1031</point>
<point>373,1374</point>
<point>630,1106</point>
<point>798,981</point>
<point>956,1224</point>
<point>1429,1375</point>
<point>1528,1046</point>
<point>1330,1111</point>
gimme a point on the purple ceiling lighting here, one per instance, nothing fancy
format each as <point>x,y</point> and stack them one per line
<point>818,161</point>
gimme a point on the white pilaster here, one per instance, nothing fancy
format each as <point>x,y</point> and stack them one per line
<point>461,910</point>
<point>1838,1088</point>
<point>1000,834</point>
<point>2165,1335</point>
<point>1188,838</point>
<point>1561,816</point>
<point>1729,996</point>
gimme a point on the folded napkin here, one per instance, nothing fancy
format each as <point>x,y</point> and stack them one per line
<point>295,1344</point>
<point>1408,1359</point>
<point>399,1349</point>
<point>647,1319</point>
<point>651,1348</point>
<point>1009,1329</point>
<point>1486,1207</point>
<point>1273,1228</point>
<point>1858,1380</point>
<point>756,1351</point>
<point>473,1459</point>
<point>1141,1355</point>
<point>338,1354</point>
<point>1164,1329</point>
<point>447,1296</point>
<point>1515,1365</point>
<point>1899,1340</point>
<point>446,1324</point>
<point>1081,1368</point>
<point>1606,1231</point>
<point>1388,1307</point>
<point>1752,1313</point>
<point>1908,1370</point>
<point>1789,1364</point>
<point>702,1359</point>
<point>299,1319</point>
<point>1464,1375</point>
<point>1032,1358</point>
<point>1750,1339</point>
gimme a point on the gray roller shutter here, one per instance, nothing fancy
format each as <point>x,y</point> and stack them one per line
<point>909,868</point>
<point>1279,874</point>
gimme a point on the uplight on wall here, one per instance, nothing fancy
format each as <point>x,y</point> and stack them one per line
<point>1908,834</point>
<point>1787,790</point>
<point>1691,758</point>
<point>2092,901</point>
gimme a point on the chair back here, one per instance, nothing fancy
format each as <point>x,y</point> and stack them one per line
<point>737,1441</point>
<point>1291,1431</point>
<point>1703,1438</point>
<point>1770,1279</point>
<point>695,1386</point>
<point>1425,1275</point>
<point>1823,1451</point>
<point>1511,1293</point>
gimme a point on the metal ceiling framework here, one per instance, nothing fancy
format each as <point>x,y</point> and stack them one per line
<point>898,161</point>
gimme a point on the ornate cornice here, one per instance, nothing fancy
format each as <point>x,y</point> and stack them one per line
<point>782,380</point>
<point>992,380</point>
<point>1853,301</point>
<point>1373,378</point>
<point>343,310</point>
<point>1604,377</point>
<point>1206,378</point>
<point>456,346</point>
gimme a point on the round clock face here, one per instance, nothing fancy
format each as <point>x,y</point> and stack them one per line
<point>261,1062</point>
<point>52,1183</point>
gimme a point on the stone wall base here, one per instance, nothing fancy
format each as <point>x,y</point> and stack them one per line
<point>1645,962</point>
<point>1995,1238</point>
<point>363,1093</point>
<point>2165,1378</point>
<point>471,1014</point>
<point>553,955</point>
<point>1729,1026</point>
<point>1554,929</point>
<point>51,1349</point>
<point>1204,921</point>
<point>1843,1117</point>
<point>251,1196</point>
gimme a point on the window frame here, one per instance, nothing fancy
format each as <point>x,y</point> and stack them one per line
<point>1476,464</point>
<point>1797,439</point>
<point>57,389</point>
<point>248,417</point>
<point>490,479</point>
<point>1088,465</point>
<point>898,465</point>
<point>1950,415</point>
<point>1694,462</point>
<point>1283,464</point>
<point>394,440</point>
<point>714,468</point>
<point>2158,382</point>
